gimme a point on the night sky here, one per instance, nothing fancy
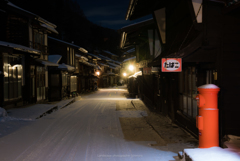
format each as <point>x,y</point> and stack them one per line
<point>108,13</point>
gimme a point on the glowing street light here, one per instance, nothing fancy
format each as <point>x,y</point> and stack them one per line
<point>98,73</point>
<point>124,74</point>
<point>131,67</point>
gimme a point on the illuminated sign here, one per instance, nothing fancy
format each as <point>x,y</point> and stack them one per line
<point>171,64</point>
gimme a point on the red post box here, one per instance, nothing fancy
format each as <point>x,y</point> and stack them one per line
<point>207,119</point>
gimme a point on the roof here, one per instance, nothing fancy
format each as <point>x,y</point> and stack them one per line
<point>46,63</point>
<point>133,31</point>
<point>80,56</point>
<point>129,51</point>
<point>98,58</point>
<point>108,52</point>
<point>20,47</point>
<point>140,8</point>
<point>138,24</point>
<point>103,64</point>
<point>66,67</point>
<point>129,59</point>
<point>54,58</point>
<point>49,28</point>
<point>107,58</point>
<point>71,44</point>
<point>44,23</point>
<point>112,64</point>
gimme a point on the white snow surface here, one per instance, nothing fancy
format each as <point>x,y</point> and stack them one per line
<point>209,86</point>
<point>212,154</point>
<point>19,47</point>
<point>129,59</point>
<point>66,67</point>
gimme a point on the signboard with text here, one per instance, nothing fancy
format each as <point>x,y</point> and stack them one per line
<point>171,64</point>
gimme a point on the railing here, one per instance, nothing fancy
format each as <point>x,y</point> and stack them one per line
<point>40,47</point>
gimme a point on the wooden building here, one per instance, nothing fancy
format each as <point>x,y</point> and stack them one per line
<point>26,34</point>
<point>65,72</point>
<point>143,36</point>
<point>204,33</point>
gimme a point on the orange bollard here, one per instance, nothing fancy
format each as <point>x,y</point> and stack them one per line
<point>207,119</point>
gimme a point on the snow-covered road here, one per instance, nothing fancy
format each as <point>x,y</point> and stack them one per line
<point>90,129</point>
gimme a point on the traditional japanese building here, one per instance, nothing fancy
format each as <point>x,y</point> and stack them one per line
<point>63,78</point>
<point>204,33</point>
<point>25,61</point>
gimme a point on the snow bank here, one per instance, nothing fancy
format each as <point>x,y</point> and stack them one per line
<point>4,117</point>
<point>212,154</point>
<point>3,112</point>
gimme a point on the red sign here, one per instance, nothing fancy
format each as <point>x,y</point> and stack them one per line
<point>171,64</point>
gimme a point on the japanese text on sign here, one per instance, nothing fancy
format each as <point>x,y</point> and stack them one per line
<point>171,64</point>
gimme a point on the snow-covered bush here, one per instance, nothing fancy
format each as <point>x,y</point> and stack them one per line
<point>3,112</point>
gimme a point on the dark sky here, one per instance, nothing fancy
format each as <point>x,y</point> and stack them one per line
<point>108,13</point>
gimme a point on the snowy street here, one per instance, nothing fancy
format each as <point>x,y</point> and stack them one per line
<point>104,125</point>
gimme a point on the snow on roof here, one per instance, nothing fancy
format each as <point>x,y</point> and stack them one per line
<point>49,28</point>
<point>129,51</point>
<point>112,64</point>
<point>129,59</point>
<point>137,23</point>
<point>98,58</point>
<point>80,56</point>
<point>44,23</point>
<point>13,5</point>
<point>46,63</point>
<point>66,67</point>
<point>19,47</point>
<point>103,64</point>
<point>54,58</point>
<point>64,42</point>
<point>108,52</point>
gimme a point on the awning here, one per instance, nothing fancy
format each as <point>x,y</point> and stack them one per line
<point>20,47</point>
<point>46,63</point>
<point>66,67</point>
<point>54,58</point>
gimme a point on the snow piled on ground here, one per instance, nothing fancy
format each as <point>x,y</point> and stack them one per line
<point>3,112</point>
<point>212,154</point>
<point>4,117</point>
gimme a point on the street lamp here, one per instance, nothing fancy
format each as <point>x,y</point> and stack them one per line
<point>131,67</point>
<point>98,73</point>
<point>124,74</point>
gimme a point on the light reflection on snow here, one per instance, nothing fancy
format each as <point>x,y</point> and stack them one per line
<point>110,98</point>
<point>112,89</point>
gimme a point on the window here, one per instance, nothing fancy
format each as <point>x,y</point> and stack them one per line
<point>70,56</point>
<point>73,84</point>
<point>12,78</point>
<point>188,92</point>
<point>64,79</point>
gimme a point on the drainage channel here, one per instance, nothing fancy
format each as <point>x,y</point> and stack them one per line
<point>55,108</point>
